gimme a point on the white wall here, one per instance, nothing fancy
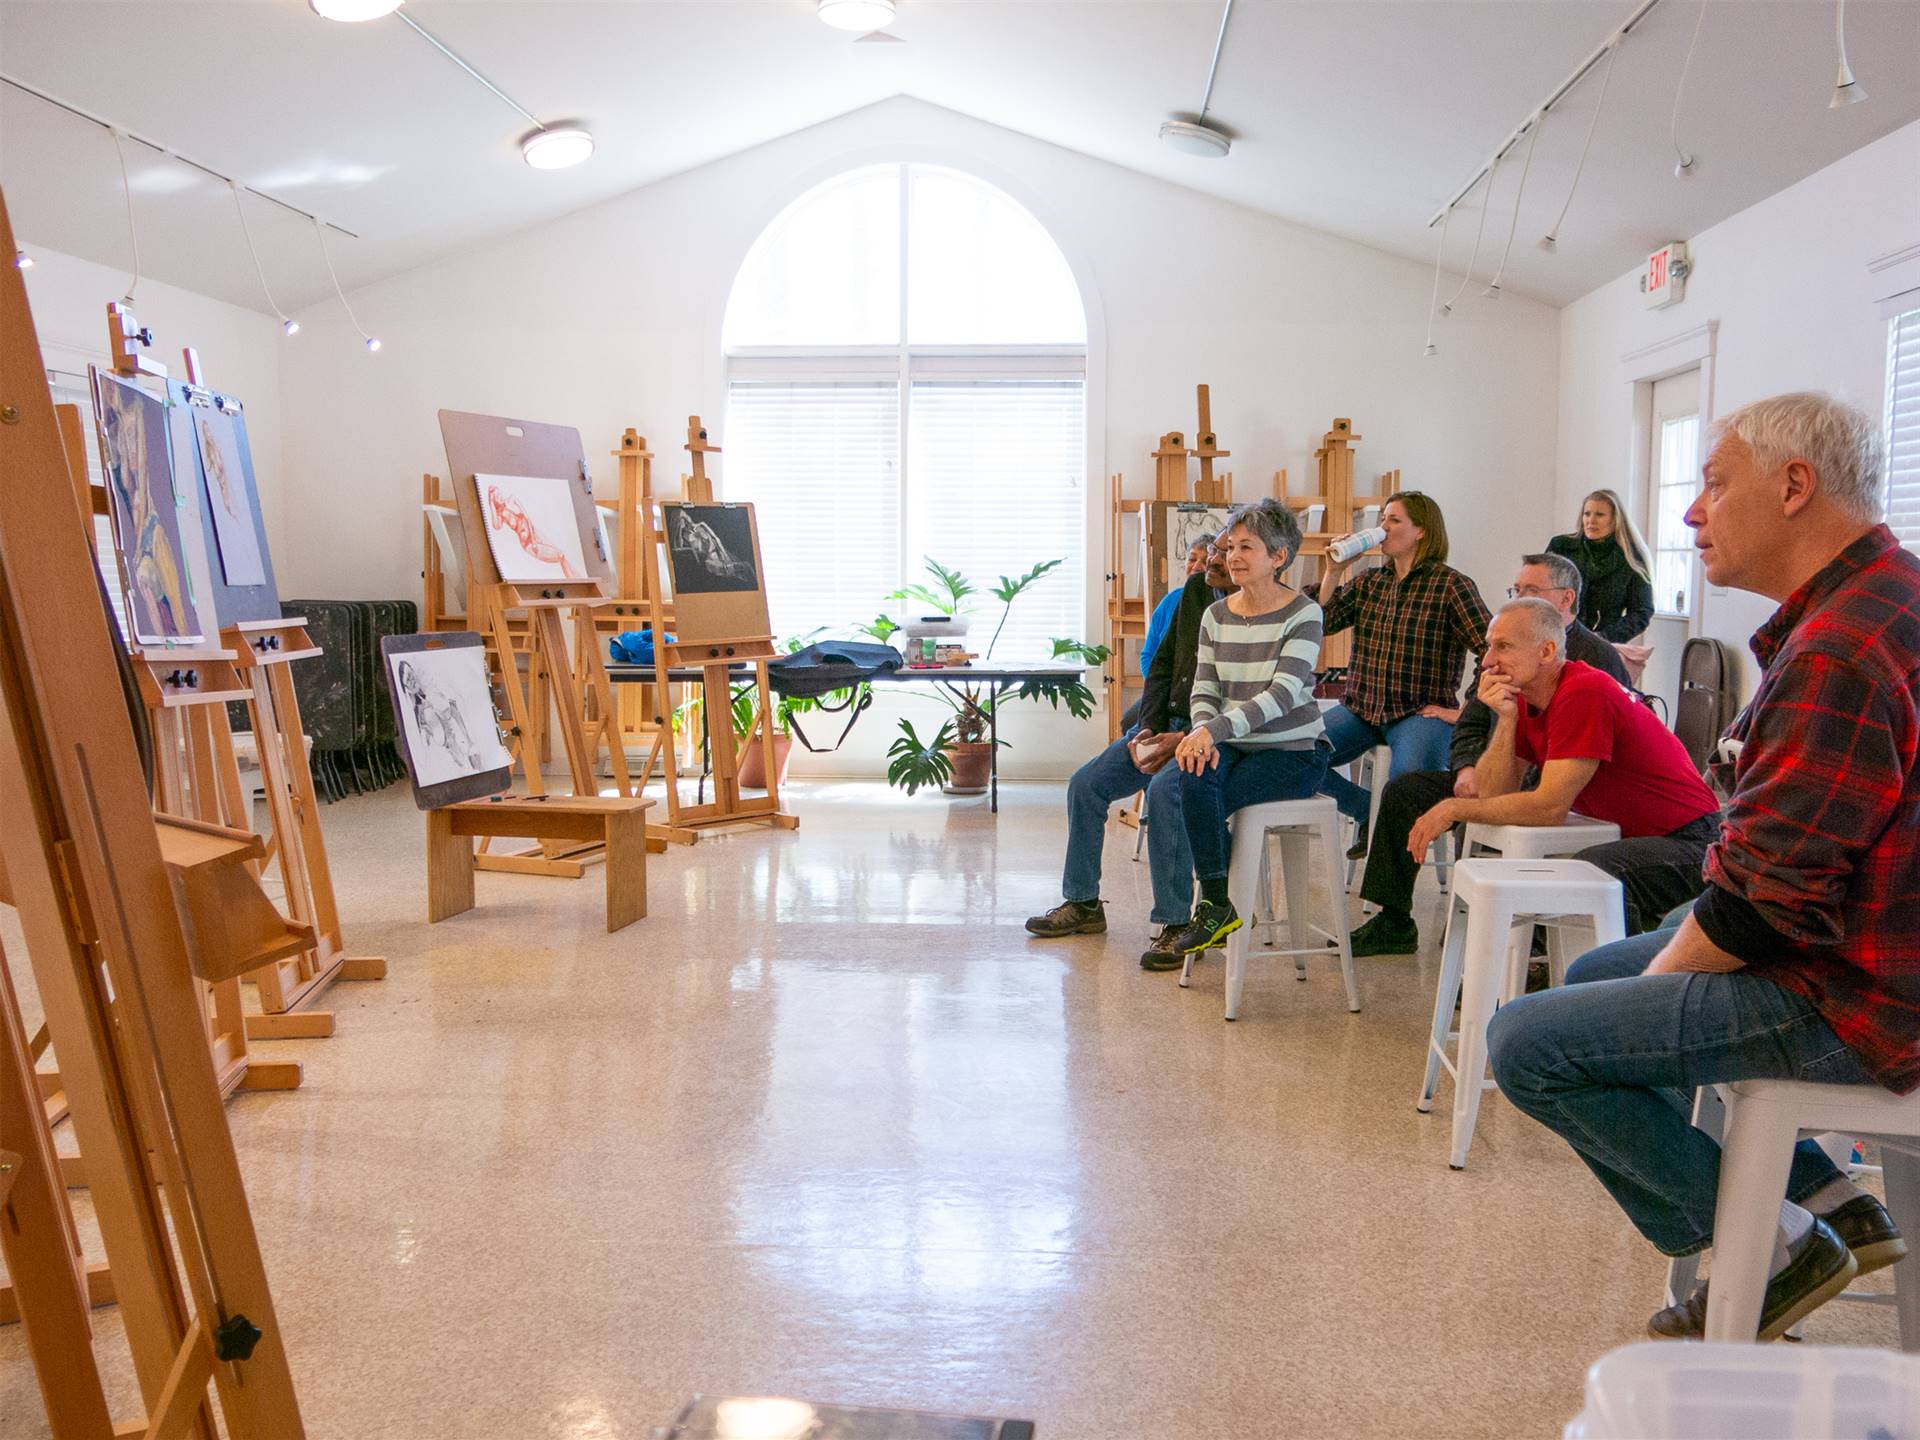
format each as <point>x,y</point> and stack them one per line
<point>239,349</point>
<point>611,317</point>
<point>1788,285</point>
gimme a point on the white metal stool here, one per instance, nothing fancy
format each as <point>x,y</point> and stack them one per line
<point>1764,1118</point>
<point>1371,770</point>
<point>1296,824</point>
<point>1499,900</point>
<point>1538,842</point>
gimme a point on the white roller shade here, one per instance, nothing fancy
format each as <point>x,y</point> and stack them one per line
<point>1903,427</point>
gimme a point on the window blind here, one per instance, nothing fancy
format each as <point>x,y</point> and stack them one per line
<point>819,461</point>
<point>996,481</point>
<point>1903,427</point>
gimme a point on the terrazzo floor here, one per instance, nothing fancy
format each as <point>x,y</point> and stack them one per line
<point>829,1123</point>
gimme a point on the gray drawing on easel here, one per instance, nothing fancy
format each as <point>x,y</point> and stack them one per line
<point>446,708</point>
<point>1185,524</point>
<point>712,549</point>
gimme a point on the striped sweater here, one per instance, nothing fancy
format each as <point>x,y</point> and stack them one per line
<point>1253,684</point>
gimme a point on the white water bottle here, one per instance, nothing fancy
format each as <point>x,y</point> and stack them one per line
<point>1355,545</point>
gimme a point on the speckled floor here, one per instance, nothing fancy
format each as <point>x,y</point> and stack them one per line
<point>829,1123</point>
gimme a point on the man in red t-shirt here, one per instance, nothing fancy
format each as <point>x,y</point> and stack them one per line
<point>1600,752</point>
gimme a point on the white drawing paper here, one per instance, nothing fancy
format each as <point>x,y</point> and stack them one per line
<point>446,706</point>
<point>532,528</point>
<point>229,498</point>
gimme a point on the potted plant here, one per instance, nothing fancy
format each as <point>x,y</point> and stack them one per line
<point>958,756</point>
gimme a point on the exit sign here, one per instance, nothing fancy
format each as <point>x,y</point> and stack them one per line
<point>1664,279</point>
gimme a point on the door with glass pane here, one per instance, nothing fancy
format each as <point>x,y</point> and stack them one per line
<point>1673,481</point>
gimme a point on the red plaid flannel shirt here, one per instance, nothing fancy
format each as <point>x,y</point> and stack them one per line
<point>1822,837</point>
<point>1411,638</point>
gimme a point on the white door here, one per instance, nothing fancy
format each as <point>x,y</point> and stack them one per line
<point>1673,480</point>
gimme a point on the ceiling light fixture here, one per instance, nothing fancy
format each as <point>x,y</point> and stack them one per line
<point>1683,159</point>
<point>353,11</point>
<point>288,325</point>
<point>555,147</point>
<point>1196,136</point>
<point>863,16</point>
<point>372,343</point>
<point>22,260</point>
<point>1845,90</point>
<point>1493,173</point>
<point>1550,241</point>
<point>1492,292</point>
<point>558,145</point>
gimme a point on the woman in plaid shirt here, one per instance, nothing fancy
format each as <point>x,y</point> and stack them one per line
<point>1414,622</point>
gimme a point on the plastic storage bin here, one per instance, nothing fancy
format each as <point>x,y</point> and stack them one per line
<point>1667,1391</point>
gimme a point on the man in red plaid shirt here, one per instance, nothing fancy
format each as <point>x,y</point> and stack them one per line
<point>1801,960</point>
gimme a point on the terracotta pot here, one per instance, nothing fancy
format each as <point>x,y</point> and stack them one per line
<point>753,769</point>
<point>972,765</point>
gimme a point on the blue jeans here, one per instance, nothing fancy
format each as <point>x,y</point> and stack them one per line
<point>1246,775</point>
<point>1419,742</point>
<point>1109,776</point>
<point>1610,1063</point>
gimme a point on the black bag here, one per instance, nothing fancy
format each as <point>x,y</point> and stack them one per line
<point>1709,697</point>
<point>817,671</point>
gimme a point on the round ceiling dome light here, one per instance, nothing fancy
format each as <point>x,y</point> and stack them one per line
<point>555,147</point>
<point>1192,137</point>
<point>353,11</point>
<point>865,16</point>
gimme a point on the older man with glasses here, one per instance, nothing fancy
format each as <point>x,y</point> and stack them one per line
<point>1391,869</point>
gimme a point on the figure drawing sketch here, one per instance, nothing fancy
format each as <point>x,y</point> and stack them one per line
<point>140,483</point>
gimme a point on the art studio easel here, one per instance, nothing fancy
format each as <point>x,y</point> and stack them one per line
<point>121,934</point>
<point>583,707</point>
<point>1344,507</point>
<point>261,653</point>
<point>718,658</point>
<point>632,513</point>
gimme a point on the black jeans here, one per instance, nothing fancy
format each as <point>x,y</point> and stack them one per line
<point>1656,872</point>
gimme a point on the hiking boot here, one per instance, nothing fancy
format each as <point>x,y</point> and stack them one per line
<point>1071,917</point>
<point>1386,934</point>
<point>1211,924</point>
<point>1865,1228</point>
<point>1818,1268</point>
<point>1161,952</point>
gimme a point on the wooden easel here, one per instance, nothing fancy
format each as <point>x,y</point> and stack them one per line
<point>1207,488</point>
<point>491,445</point>
<point>637,576</point>
<point>261,653</point>
<point>1343,506</point>
<point>114,935</point>
<point>715,658</point>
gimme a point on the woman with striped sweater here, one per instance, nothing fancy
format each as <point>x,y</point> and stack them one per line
<point>1257,735</point>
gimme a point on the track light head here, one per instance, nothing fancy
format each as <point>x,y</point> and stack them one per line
<point>373,344</point>
<point>22,260</point>
<point>1492,292</point>
<point>1549,243</point>
<point>1683,167</point>
<point>290,328</point>
<point>1431,350</point>
<point>1846,92</point>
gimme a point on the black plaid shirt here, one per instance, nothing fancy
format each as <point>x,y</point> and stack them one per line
<point>1411,638</point>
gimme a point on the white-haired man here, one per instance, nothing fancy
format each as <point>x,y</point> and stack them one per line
<point>1600,752</point>
<point>1801,958</point>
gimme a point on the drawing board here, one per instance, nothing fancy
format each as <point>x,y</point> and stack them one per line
<point>157,572</point>
<point>713,553</point>
<point>497,445</point>
<point>210,444</point>
<point>532,531</point>
<point>443,706</point>
<point>1173,526</point>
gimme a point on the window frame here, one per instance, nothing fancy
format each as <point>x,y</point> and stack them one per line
<point>905,362</point>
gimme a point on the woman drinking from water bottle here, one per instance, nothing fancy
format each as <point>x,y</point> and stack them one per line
<point>1414,621</point>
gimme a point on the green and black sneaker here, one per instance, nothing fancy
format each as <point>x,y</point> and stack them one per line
<point>1071,917</point>
<point>1162,952</point>
<point>1211,924</point>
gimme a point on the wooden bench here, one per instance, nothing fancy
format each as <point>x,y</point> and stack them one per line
<point>618,823</point>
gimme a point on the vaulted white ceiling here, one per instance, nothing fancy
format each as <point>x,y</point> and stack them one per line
<point>1357,117</point>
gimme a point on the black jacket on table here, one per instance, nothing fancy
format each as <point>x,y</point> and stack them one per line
<point>1475,726</point>
<point>1170,678</point>
<point>1616,601</point>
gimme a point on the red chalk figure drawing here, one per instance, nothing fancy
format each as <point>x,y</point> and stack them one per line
<point>531,527</point>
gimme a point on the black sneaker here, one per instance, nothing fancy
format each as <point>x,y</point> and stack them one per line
<point>1865,1228</point>
<point>1071,917</point>
<point>1210,925</point>
<point>1386,934</point>
<point>1161,952</point>
<point>1819,1266</point>
<point>1358,850</point>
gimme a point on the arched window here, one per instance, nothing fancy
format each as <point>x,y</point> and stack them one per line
<point>906,356</point>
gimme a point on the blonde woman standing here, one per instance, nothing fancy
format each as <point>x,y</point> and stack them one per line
<point>1616,596</point>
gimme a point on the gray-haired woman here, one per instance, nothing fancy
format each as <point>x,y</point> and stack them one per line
<point>1256,733</point>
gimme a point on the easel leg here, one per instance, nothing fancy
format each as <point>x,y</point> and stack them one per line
<point>626,869</point>
<point>450,869</point>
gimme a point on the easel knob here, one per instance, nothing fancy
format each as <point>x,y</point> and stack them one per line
<point>235,1337</point>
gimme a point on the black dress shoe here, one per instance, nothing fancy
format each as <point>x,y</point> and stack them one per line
<point>1819,1266</point>
<point>1865,1228</point>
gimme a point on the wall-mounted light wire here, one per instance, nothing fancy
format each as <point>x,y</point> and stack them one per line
<point>1433,300</point>
<point>288,325</point>
<point>1846,90</point>
<point>1552,237</point>
<point>1682,159</point>
<point>133,231</point>
<point>1539,123</point>
<point>1473,259</point>
<point>372,342</point>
